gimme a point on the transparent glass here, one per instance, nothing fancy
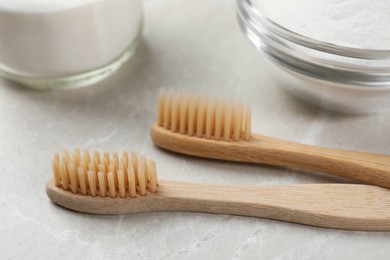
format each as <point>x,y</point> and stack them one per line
<point>67,46</point>
<point>336,77</point>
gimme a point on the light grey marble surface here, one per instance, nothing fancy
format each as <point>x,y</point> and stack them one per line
<point>194,44</point>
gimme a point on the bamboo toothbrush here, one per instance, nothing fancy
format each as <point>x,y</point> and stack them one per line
<point>220,129</point>
<point>123,184</point>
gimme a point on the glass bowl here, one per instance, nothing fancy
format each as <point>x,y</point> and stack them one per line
<point>340,78</point>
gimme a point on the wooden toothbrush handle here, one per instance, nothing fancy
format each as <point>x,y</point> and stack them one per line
<point>363,167</point>
<point>342,206</point>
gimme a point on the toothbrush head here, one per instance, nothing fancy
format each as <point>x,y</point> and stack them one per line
<point>203,116</point>
<point>102,174</point>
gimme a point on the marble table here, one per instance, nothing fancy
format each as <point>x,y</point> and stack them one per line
<point>192,44</point>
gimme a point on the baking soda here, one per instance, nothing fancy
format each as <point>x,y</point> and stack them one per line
<point>52,38</point>
<point>351,23</point>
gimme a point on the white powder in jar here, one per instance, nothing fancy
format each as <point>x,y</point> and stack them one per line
<point>54,38</point>
<point>351,23</point>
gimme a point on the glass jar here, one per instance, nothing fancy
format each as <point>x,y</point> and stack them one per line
<point>66,44</point>
<point>346,79</point>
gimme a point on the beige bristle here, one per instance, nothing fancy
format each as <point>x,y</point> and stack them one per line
<point>141,179</point>
<point>200,124</point>
<point>120,178</point>
<point>175,115</point>
<point>183,121</point>
<point>96,155</point>
<point>105,163</point>
<point>167,109</point>
<point>134,158</point>
<point>77,153</point>
<point>227,122</point>
<point>192,114</point>
<point>102,168</point>
<point>125,156</point>
<point>238,117</point>
<point>56,170</point>
<point>125,162</point>
<point>95,162</point>
<point>82,180</point>
<point>107,158</point>
<point>121,183</point>
<point>66,156</point>
<point>102,183</point>
<point>115,156</point>
<point>152,176</point>
<point>76,157</point>
<point>232,117</point>
<point>64,175</point>
<point>122,167</point>
<point>160,107</point>
<point>92,183</point>
<point>242,116</point>
<point>144,164</point>
<point>87,156</point>
<point>115,162</point>
<point>210,118</point>
<point>218,121</point>
<point>73,177</point>
<point>96,158</point>
<point>111,184</point>
<point>57,157</point>
<point>203,116</point>
<point>75,161</point>
<point>112,168</point>
<point>247,128</point>
<point>131,179</point>
<point>91,167</point>
<point>84,166</point>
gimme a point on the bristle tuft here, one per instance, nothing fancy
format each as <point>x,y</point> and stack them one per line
<point>203,116</point>
<point>102,174</point>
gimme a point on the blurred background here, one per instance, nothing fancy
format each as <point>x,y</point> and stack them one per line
<point>185,44</point>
